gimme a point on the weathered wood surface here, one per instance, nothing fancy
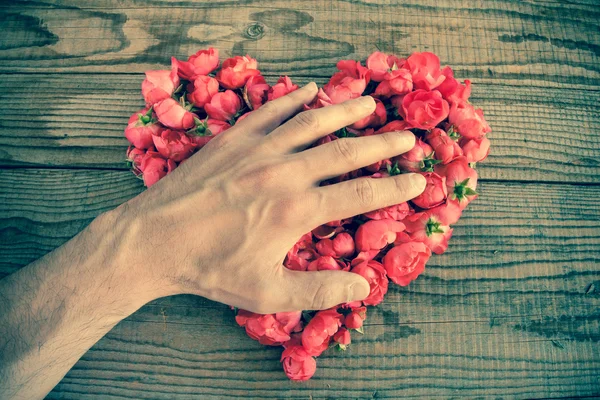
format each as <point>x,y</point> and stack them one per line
<point>510,311</point>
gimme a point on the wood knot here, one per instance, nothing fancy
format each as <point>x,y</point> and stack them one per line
<point>255,31</point>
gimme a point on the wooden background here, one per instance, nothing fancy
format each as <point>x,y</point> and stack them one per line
<point>512,310</point>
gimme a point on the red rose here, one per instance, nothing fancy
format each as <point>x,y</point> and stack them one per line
<point>427,227</point>
<point>171,114</point>
<point>236,71</point>
<point>175,145</point>
<point>140,129</point>
<point>355,319</point>
<point>134,156</point>
<point>452,90</point>
<point>318,332</point>
<point>424,110</point>
<point>394,126</point>
<point>342,337</point>
<point>283,87</point>
<point>425,70</point>
<point>301,254</point>
<point>435,191</point>
<point>325,247</point>
<point>224,106</point>
<point>206,130</point>
<point>444,147</point>
<point>349,83</point>
<point>326,263</point>
<point>159,85</point>
<point>382,65</point>
<point>414,160</point>
<point>376,119</point>
<point>153,167</point>
<point>475,150</point>
<point>269,329</point>
<point>374,273</point>
<point>461,181</point>
<point>468,121</point>
<point>255,91</point>
<point>201,90</point>
<point>298,365</point>
<point>201,63</point>
<point>343,245</point>
<point>395,83</point>
<point>320,101</point>
<point>376,234</point>
<point>404,262</point>
<point>397,212</point>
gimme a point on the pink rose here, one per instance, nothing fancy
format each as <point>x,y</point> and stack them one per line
<point>376,234</point>
<point>283,87</point>
<point>404,262</point>
<point>468,121</point>
<point>320,101</point>
<point>382,65</point>
<point>355,319</point>
<point>343,245</point>
<point>318,332</point>
<point>269,329</point>
<point>206,130</point>
<point>374,273</point>
<point>424,110</point>
<point>159,85</point>
<point>201,63</point>
<point>134,157</point>
<point>349,83</point>
<point>171,114</point>
<point>175,145</point>
<point>393,126</point>
<point>301,254</point>
<point>461,181</point>
<point>153,167</point>
<point>452,90</point>
<point>444,147</point>
<point>435,191</point>
<point>425,70</point>
<point>325,247</point>
<point>376,119</point>
<point>255,91</point>
<point>475,150</point>
<point>236,71</point>
<point>141,128</point>
<point>326,263</point>
<point>201,90</point>
<point>342,337</point>
<point>224,106</point>
<point>397,82</point>
<point>427,227</point>
<point>414,160</point>
<point>397,212</point>
<point>298,365</point>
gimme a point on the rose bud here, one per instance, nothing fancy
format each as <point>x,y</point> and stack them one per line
<point>134,158</point>
<point>374,273</point>
<point>320,101</point>
<point>255,92</point>
<point>172,114</point>
<point>444,147</point>
<point>475,150</point>
<point>414,160</point>
<point>461,181</point>
<point>382,65</point>
<point>283,87</point>
<point>435,192</point>
<point>452,90</point>
<point>298,365</point>
<point>355,319</point>
<point>201,63</point>
<point>398,82</point>
<point>403,263</point>
<point>301,254</point>
<point>269,329</point>
<point>468,121</point>
<point>224,106</point>
<point>343,245</point>
<point>427,227</point>
<point>318,332</point>
<point>175,145</point>
<point>159,85</point>
<point>140,129</point>
<point>376,234</point>
<point>424,110</point>
<point>376,119</point>
<point>393,126</point>
<point>425,70</point>
<point>325,247</point>
<point>396,212</point>
<point>236,71</point>
<point>349,83</point>
<point>205,130</point>
<point>342,338</point>
<point>153,167</point>
<point>326,263</point>
<point>201,90</point>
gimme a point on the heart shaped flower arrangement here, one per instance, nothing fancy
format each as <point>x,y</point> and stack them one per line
<point>200,98</point>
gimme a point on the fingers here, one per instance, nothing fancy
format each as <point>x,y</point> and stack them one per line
<point>311,125</point>
<point>347,154</point>
<point>318,290</point>
<point>361,195</point>
<point>270,115</point>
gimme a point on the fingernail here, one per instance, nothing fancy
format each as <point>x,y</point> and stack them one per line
<point>359,291</point>
<point>418,182</point>
<point>366,101</point>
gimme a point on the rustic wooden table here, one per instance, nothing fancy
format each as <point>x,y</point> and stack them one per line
<point>512,310</point>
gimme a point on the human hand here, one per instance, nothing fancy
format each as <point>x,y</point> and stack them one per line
<point>221,224</point>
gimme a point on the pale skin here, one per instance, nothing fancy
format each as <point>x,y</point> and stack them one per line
<point>219,226</point>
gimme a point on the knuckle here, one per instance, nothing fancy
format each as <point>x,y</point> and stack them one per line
<point>290,212</point>
<point>307,120</point>
<point>269,109</point>
<point>346,149</point>
<point>365,192</point>
<point>403,186</point>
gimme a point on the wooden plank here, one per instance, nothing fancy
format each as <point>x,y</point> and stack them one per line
<point>521,41</point>
<point>73,120</point>
<point>511,310</point>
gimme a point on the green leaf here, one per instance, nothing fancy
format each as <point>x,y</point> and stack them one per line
<point>470,192</point>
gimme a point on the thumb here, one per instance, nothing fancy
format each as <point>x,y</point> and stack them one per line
<point>319,290</point>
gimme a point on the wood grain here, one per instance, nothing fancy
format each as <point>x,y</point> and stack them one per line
<point>511,310</point>
<point>539,134</point>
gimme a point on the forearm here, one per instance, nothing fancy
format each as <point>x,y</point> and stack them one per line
<point>55,309</point>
